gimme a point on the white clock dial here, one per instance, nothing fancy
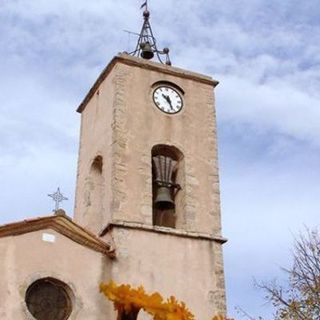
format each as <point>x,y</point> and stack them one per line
<point>167,99</point>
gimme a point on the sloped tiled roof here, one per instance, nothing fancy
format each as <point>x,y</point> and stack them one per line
<point>61,224</point>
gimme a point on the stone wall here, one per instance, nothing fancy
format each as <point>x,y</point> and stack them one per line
<point>27,258</point>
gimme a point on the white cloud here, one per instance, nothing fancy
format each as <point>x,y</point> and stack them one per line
<point>273,106</point>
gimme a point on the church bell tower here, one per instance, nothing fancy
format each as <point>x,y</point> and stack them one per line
<point>148,176</point>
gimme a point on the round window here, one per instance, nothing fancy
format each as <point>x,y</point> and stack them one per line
<point>49,299</point>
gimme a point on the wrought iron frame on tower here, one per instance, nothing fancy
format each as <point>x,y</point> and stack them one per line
<point>146,46</point>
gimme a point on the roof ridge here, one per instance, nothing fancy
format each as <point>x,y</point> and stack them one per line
<point>61,224</point>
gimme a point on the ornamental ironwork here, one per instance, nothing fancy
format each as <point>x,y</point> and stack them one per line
<point>57,198</point>
<point>146,47</point>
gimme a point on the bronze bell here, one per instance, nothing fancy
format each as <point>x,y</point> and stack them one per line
<point>147,52</point>
<point>164,169</point>
<point>163,200</point>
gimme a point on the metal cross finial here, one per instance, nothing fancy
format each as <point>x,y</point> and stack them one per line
<point>57,198</point>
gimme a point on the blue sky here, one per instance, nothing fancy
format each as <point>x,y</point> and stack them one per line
<point>266,56</point>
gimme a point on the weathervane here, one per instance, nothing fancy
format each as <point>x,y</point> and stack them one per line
<point>57,198</point>
<point>146,46</point>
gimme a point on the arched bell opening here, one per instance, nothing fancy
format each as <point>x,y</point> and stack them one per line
<point>165,185</point>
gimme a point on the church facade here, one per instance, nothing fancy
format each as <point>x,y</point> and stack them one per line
<point>147,208</point>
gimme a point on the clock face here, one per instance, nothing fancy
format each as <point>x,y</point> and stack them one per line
<point>167,99</point>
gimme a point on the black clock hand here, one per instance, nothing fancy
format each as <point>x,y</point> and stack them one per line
<point>168,100</point>
<point>166,97</point>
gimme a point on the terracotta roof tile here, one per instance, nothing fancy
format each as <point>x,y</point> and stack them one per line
<point>61,224</point>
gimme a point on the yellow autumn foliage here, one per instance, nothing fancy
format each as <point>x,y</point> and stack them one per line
<point>130,299</point>
<point>127,299</point>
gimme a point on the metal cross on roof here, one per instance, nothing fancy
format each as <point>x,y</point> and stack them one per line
<point>146,46</point>
<point>57,198</point>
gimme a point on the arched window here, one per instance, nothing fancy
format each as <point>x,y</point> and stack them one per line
<point>94,194</point>
<point>166,164</point>
<point>97,165</point>
<point>49,299</point>
<point>97,187</point>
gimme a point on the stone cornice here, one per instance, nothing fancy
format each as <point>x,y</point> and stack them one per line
<point>164,230</point>
<point>61,224</point>
<point>145,64</point>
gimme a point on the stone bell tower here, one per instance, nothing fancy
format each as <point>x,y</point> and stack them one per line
<point>148,176</point>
